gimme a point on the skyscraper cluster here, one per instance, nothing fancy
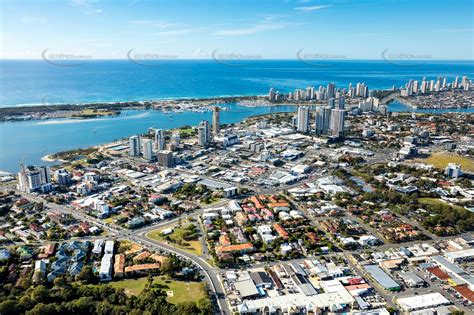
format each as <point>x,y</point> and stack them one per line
<point>328,119</point>
<point>321,93</point>
<point>414,87</point>
<point>148,148</point>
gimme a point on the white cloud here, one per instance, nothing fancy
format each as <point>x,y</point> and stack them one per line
<point>250,30</point>
<point>312,8</point>
<point>87,6</point>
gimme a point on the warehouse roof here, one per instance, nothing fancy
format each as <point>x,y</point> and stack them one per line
<point>419,302</point>
<point>382,278</point>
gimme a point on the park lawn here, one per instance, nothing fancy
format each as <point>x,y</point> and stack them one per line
<point>441,160</point>
<point>131,286</point>
<point>435,201</point>
<point>194,246</point>
<point>186,131</point>
<point>357,173</point>
<point>183,291</point>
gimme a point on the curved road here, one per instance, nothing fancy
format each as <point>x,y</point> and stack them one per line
<point>139,236</point>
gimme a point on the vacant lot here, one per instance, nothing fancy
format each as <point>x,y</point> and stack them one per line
<point>441,160</point>
<point>178,291</point>
<point>176,239</point>
<point>435,201</point>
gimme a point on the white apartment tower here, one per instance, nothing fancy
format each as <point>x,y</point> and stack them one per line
<point>148,149</point>
<point>159,140</point>
<point>303,119</point>
<point>338,117</point>
<point>135,145</point>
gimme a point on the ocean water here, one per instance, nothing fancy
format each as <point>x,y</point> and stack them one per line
<point>40,82</point>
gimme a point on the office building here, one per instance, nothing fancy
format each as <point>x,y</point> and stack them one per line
<point>453,170</point>
<point>159,140</point>
<point>32,178</point>
<point>303,119</point>
<point>135,145</point>
<point>216,120</point>
<point>338,117</point>
<point>165,158</point>
<point>148,149</point>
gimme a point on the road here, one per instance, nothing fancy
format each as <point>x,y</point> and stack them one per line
<point>139,236</point>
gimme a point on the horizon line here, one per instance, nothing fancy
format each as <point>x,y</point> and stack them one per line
<point>237,60</point>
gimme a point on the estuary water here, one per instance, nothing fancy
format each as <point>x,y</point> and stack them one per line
<point>29,141</point>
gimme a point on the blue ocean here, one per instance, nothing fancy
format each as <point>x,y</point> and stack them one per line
<point>38,82</point>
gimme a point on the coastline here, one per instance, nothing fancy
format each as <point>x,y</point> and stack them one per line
<point>103,109</point>
<point>49,158</point>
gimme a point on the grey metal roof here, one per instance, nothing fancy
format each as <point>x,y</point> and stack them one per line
<point>381,277</point>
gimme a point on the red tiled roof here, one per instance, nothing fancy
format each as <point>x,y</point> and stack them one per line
<point>467,293</point>
<point>438,273</point>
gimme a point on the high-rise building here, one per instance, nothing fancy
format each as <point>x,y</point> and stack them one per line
<point>175,140</point>
<point>135,145</point>
<point>165,158</point>
<point>63,177</point>
<point>216,124</point>
<point>309,93</point>
<point>456,82</point>
<point>32,178</point>
<point>338,117</point>
<point>204,133</point>
<point>342,102</point>
<point>331,92</point>
<point>332,102</point>
<point>148,149</point>
<point>303,119</point>
<point>159,140</point>
<point>323,117</point>
<point>272,95</point>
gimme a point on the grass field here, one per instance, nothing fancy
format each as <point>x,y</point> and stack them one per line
<point>182,291</point>
<point>194,246</point>
<point>112,218</point>
<point>435,201</point>
<point>186,131</point>
<point>441,160</point>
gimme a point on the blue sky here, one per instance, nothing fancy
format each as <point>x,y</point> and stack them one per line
<point>357,29</point>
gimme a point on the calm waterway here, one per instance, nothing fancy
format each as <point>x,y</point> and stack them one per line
<point>29,141</point>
